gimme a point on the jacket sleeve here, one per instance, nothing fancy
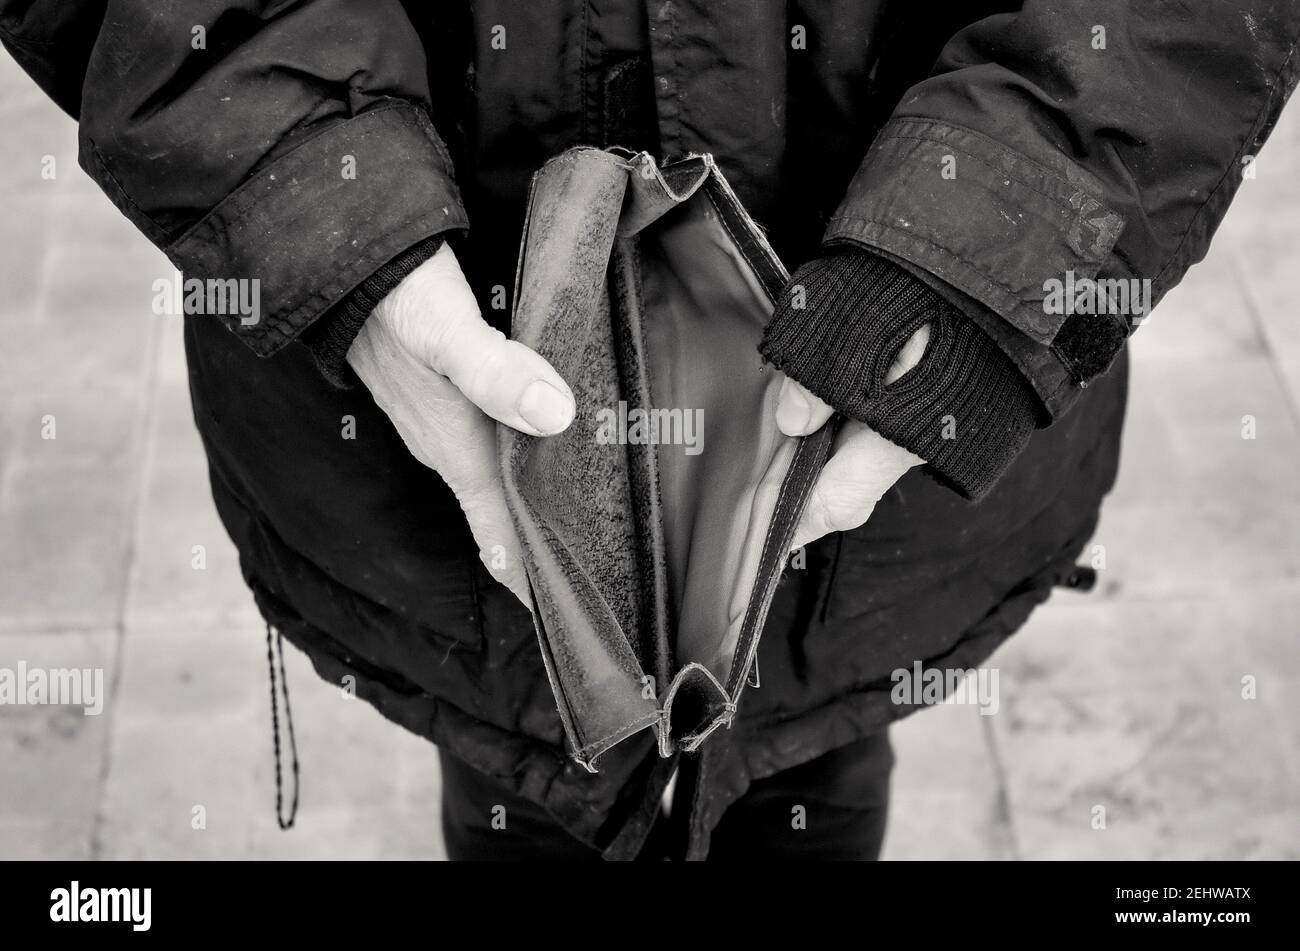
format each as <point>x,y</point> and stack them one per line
<point>284,142</point>
<point>1072,140</point>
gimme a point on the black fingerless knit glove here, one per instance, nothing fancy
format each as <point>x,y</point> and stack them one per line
<point>965,408</point>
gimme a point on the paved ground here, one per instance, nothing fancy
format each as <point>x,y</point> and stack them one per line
<point>1128,699</point>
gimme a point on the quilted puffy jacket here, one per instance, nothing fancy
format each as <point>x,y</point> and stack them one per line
<point>1095,137</point>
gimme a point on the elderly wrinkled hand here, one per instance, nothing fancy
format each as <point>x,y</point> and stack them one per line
<point>863,466</point>
<point>443,374</point>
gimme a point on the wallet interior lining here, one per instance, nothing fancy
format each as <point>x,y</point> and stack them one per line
<point>705,310</point>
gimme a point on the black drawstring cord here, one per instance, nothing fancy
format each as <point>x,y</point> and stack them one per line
<point>275,730</point>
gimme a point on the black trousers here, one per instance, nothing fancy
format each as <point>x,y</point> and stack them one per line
<point>831,808</point>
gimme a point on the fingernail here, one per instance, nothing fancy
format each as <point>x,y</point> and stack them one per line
<point>794,410</point>
<point>545,408</point>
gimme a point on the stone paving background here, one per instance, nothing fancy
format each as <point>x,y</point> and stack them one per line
<point>1128,698</point>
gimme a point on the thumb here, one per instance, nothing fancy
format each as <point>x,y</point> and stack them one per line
<point>443,327</point>
<point>799,412</point>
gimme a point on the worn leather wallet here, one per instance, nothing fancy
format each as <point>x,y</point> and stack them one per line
<point>657,526</point>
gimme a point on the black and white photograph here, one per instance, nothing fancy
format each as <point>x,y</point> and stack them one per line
<point>634,431</point>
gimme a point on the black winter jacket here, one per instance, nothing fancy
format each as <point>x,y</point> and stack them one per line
<point>1092,138</point>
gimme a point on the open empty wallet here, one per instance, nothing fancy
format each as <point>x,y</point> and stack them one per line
<point>657,526</point>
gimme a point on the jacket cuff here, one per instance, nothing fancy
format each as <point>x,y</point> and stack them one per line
<point>309,234</point>
<point>329,338</point>
<point>964,408</point>
<point>997,226</point>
